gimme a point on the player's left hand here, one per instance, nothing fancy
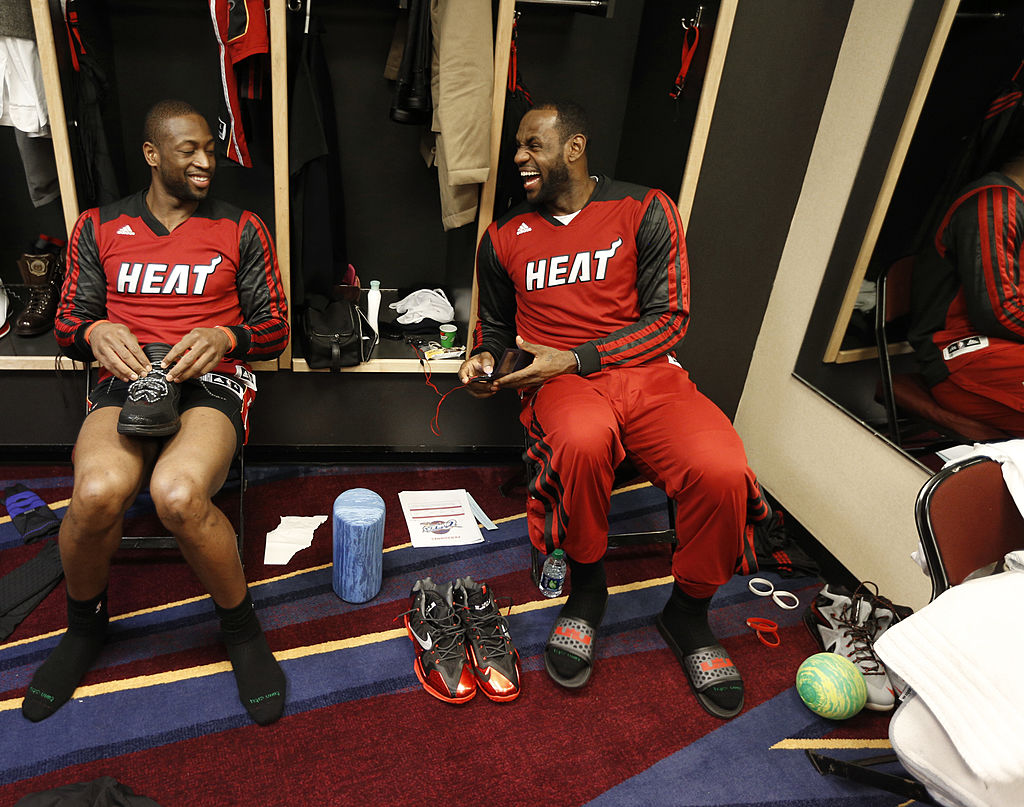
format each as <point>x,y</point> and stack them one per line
<point>547,363</point>
<point>198,352</point>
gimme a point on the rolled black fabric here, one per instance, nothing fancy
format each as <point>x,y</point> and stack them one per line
<point>31,516</point>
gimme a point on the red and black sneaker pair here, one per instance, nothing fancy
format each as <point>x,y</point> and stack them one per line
<point>462,642</point>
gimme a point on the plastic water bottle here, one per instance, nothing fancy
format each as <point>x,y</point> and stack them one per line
<point>552,576</point>
<point>373,304</point>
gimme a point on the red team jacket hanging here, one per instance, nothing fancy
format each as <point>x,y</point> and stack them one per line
<point>241,30</point>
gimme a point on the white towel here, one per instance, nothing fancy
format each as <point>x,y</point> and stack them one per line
<point>963,654</point>
<point>925,751</point>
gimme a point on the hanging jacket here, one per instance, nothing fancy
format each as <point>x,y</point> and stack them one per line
<point>460,72</point>
<point>461,80</point>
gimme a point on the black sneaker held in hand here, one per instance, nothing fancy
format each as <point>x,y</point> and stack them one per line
<point>151,409</point>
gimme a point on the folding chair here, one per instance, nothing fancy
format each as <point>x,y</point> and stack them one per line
<point>967,520</point>
<point>908,393</point>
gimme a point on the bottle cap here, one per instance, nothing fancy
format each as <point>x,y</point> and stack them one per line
<point>558,553</point>
<point>374,284</point>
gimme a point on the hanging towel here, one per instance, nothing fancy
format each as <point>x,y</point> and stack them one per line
<point>963,654</point>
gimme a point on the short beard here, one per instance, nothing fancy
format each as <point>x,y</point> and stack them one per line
<point>553,184</point>
<point>181,189</point>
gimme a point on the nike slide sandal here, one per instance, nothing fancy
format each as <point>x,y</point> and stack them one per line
<point>705,667</point>
<point>575,637</point>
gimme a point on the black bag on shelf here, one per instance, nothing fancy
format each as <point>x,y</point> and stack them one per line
<point>335,333</point>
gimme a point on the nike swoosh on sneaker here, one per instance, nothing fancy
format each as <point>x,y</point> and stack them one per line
<point>427,643</point>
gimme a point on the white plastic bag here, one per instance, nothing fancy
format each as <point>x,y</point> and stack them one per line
<point>424,304</point>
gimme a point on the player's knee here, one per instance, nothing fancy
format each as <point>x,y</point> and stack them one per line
<point>721,477</point>
<point>585,443</point>
<point>101,497</point>
<point>178,500</point>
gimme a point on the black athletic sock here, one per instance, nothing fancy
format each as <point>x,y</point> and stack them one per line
<point>686,620</point>
<point>588,595</point>
<point>260,679</point>
<point>55,681</point>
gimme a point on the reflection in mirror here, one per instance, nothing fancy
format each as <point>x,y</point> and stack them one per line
<point>966,61</point>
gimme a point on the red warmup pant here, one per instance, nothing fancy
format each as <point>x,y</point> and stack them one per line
<point>987,386</point>
<point>579,428</point>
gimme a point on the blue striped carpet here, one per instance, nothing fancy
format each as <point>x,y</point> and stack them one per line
<point>160,713</point>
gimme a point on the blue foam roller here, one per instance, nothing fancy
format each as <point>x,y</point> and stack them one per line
<point>358,545</point>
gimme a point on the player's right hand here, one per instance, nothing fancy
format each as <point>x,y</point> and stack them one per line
<point>117,350</point>
<point>473,374</point>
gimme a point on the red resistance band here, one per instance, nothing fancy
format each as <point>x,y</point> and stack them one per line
<point>689,48</point>
<point>513,61</point>
<point>514,84</point>
<point>74,39</point>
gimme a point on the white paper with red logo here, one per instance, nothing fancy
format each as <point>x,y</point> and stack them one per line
<point>439,517</point>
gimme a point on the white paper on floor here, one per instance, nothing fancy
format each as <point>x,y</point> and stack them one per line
<point>439,517</point>
<point>291,535</point>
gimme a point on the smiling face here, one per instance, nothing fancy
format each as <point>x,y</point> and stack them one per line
<point>183,158</point>
<point>541,157</point>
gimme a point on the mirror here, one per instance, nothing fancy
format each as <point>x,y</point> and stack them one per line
<point>946,74</point>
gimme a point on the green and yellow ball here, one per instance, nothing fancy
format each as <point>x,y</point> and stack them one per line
<point>831,685</point>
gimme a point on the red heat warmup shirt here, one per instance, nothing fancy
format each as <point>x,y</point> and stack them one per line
<point>613,283</point>
<point>217,268</point>
<point>967,294</point>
